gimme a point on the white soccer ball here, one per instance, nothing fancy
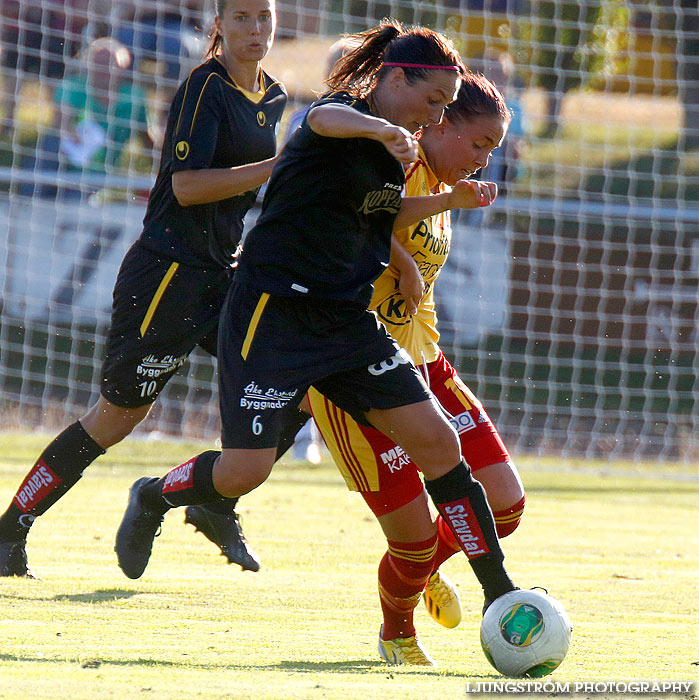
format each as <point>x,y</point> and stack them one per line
<point>525,634</point>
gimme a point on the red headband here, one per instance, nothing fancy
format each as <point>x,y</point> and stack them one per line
<point>420,65</point>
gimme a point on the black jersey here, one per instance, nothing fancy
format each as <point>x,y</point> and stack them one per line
<point>327,216</point>
<point>212,124</point>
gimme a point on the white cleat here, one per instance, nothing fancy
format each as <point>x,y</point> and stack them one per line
<point>404,651</point>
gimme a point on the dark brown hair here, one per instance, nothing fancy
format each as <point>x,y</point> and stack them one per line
<point>215,39</point>
<point>359,70</point>
<point>477,97</point>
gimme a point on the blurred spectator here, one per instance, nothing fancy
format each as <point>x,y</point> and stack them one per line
<point>98,111</point>
<point>165,33</point>
<point>166,41</point>
<point>499,68</point>
<point>34,44</point>
<point>335,53</point>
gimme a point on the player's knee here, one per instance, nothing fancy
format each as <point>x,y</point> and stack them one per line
<point>235,475</point>
<point>118,431</point>
<point>507,520</point>
<point>504,491</point>
<point>438,445</point>
<point>108,424</point>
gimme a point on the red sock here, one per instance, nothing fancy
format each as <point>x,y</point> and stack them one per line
<point>507,520</point>
<point>403,573</point>
<point>446,543</point>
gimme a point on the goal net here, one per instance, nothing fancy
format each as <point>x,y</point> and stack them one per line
<point>569,307</point>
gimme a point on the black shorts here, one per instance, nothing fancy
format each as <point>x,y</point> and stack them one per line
<point>161,311</point>
<point>271,349</point>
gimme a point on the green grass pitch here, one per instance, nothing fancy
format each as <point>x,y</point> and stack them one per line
<point>620,552</point>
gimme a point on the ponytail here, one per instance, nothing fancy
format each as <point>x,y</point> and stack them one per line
<point>359,70</point>
<point>215,41</point>
<point>215,38</point>
<point>356,71</point>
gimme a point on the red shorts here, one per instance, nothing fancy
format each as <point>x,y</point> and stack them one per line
<point>373,464</point>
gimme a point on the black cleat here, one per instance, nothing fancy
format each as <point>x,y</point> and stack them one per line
<point>139,527</point>
<point>224,530</point>
<point>487,602</point>
<point>13,559</point>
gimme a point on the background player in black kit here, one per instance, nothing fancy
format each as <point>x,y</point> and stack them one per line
<point>219,148</point>
<point>296,313</point>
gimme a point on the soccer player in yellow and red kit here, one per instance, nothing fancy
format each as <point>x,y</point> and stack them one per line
<point>371,462</point>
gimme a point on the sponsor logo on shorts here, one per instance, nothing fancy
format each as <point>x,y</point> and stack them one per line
<point>463,522</point>
<point>395,459</point>
<point>463,422</point>
<point>256,399</point>
<point>400,358</point>
<point>39,483</point>
<point>179,478</point>
<point>153,367</point>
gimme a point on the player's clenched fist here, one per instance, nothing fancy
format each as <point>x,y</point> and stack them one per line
<point>399,142</point>
<point>472,194</point>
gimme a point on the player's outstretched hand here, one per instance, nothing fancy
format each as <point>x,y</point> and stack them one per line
<point>472,194</point>
<point>399,142</point>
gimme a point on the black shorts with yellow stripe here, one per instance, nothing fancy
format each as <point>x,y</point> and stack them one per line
<point>161,311</point>
<point>272,349</point>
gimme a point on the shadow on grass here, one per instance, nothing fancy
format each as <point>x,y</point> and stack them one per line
<point>357,666</point>
<point>312,667</point>
<point>105,595</point>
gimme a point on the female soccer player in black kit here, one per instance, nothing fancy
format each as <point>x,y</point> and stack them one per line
<point>219,148</point>
<point>296,313</point>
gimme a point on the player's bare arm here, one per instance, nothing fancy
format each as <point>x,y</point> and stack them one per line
<point>340,121</point>
<point>411,284</point>
<point>466,194</point>
<point>213,185</point>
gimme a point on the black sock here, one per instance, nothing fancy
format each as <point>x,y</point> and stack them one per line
<point>188,484</point>
<point>462,503</point>
<point>57,470</point>
<point>224,506</point>
<point>191,483</point>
